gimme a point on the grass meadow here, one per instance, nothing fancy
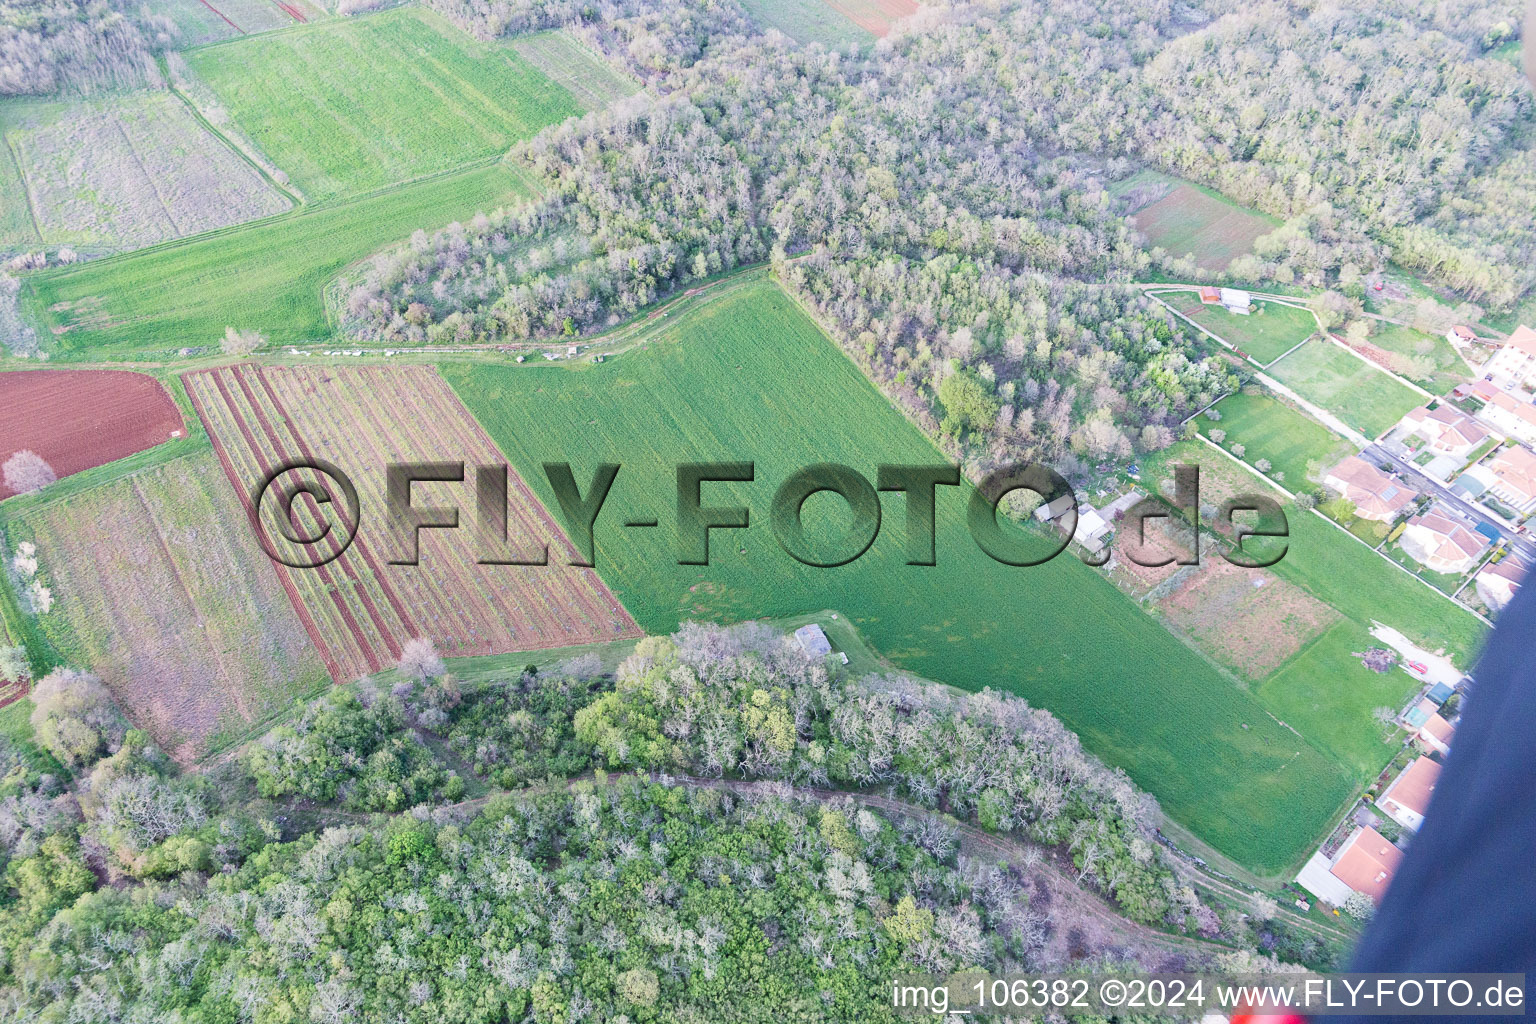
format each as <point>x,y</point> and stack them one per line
<point>1356,392</point>
<point>1266,334</point>
<point>1195,221</point>
<point>1295,445</point>
<point>712,387</point>
<point>128,170</point>
<point>348,106</point>
<point>269,276</point>
<point>808,21</point>
<point>589,78</point>
<point>1426,359</point>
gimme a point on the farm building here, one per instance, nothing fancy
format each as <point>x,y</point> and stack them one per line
<point>813,641</point>
<point>1054,508</point>
<point>1210,296</point>
<point>1439,693</point>
<point>1092,529</point>
<point>1375,494</point>
<point>1407,797</point>
<point>1365,863</point>
<point>1441,544</point>
<point>1514,478</point>
<point>1235,300</point>
<point>1498,582</point>
<point>1448,430</point>
<point>1515,361</point>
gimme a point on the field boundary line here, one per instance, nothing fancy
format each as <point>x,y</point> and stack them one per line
<point>1372,363</point>
<point>221,14</point>
<point>1251,469</point>
<point>208,126</point>
<point>1288,351</point>
<point>21,176</point>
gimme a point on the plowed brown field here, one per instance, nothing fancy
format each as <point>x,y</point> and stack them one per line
<point>76,419</point>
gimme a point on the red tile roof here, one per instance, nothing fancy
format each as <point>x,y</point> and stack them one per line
<point>1367,862</point>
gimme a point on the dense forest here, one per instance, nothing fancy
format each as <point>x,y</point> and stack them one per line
<point>943,200</point>
<point>418,851</point>
<point>48,46</point>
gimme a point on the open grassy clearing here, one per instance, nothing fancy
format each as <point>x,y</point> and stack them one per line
<point>129,170</point>
<point>1299,449</point>
<point>168,597</point>
<point>1187,219</point>
<point>1335,567</point>
<point>808,21</point>
<point>359,608</point>
<point>876,17</point>
<point>197,23</point>
<point>709,389</point>
<point>268,276</point>
<point>1426,359</point>
<point>1353,390</point>
<point>585,75</point>
<point>348,106</point>
<point>1266,334</point>
<point>16,227</point>
<point>1339,713</point>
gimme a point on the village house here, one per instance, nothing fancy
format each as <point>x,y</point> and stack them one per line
<point>1407,797</point>
<point>1515,360</point>
<point>1365,864</point>
<point>1514,478</point>
<point>1441,544</point>
<point>1424,721</point>
<point>1092,529</point>
<point>1498,582</point>
<point>1505,412</point>
<point>1375,494</point>
<point>1448,430</point>
<point>1461,334</point>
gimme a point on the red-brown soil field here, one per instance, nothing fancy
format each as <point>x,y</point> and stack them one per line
<point>76,419</point>
<point>874,16</point>
<point>359,608</point>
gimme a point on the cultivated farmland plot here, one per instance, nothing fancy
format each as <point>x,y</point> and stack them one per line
<point>809,21</point>
<point>709,389</point>
<point>588,77</point>
<point>168,597</point>
<point>359,608</point>
<point>130,170</point>
<point>1364,397</point>
<point>348,106</point>
<point>1187,220</point>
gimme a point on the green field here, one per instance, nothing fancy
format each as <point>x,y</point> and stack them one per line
<point>267,276</point>
<point>807,21</point>
<point>1442,368</point>
<point>1328,694</point>
<point>1359,583</point>
<point>712,387</point>
<point>1266,334</point>
<point>348,106</point>
<point>1294,443</point>
<point>16,226</point>
<point>585,75</point>
<point>1189,220</point>
<point>1356,392</point>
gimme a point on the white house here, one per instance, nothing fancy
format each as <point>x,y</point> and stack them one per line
<point>1461,334</point>
<point>1091,528</point>
<point>1515,361</point>
<point>1407,798</point>
<point>1498,582</point>
<point>1507,413</point>
<point>1237,301</point>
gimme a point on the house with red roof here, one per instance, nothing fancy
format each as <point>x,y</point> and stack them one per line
<point>1448,430</point>
<point>1507,413</point>
<point>1407,797</point>
<point>1515,360</point>
<point>1365,863</point>
<point>1374,494</point>
<point>1514,478</point>
<point>1441,544</point>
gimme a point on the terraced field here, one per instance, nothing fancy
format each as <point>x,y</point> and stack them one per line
<point>708,388</point>
<point>348,106</point>
<point>359,608</point>
<point>268,276</point>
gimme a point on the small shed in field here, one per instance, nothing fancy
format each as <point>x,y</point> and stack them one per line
<point>813,641</point>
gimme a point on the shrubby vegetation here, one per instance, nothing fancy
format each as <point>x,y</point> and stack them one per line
<point>131,891</point>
